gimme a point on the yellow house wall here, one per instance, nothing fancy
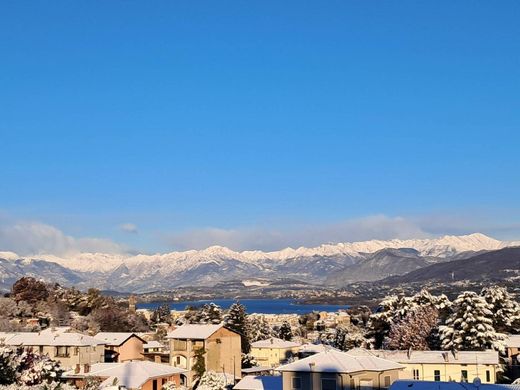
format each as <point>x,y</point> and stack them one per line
<point>272,357</point>
<point>450,372</point>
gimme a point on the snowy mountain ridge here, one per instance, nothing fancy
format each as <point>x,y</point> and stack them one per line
<point>442,247</point>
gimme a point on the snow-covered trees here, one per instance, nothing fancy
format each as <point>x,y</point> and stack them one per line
<point>209,313</point>
<point>396,310</point>
<point>212,381</point>
<point>236,320</point>
<point>505,310</point>
<point>22,367</point>
<point>470,326</point>
<point>248,361</point>
<point>169,386</point>
<point>346,338</point>
<point>162,314</point>
<point>414,330</point>
<point>285,332</point>
<point>258,329</point>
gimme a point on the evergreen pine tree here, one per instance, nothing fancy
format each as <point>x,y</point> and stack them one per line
<point>506,311</point>
<point>200,362</point>
<point>236,320</point>
<point>285,332</point>
<point>470,326</point>
<point>210,313</point>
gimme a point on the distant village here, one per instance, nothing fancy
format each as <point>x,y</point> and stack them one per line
<point>54,338</point>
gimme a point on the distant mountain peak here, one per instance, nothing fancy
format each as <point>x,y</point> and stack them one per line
<point>217,263</point>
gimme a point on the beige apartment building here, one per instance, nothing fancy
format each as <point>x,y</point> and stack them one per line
<point>274,351</point>
<point>445,366</point>
<point>223,353</point>
<point>71,349</point>
<point>121,346</point>
<point>336,370</point>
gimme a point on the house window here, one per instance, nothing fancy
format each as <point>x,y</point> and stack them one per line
<point>328,384</point>
<point>387,381</point>
<point>41,349</point>
<point>463,375</point>
<point>437,375</point>
<point>179,345</point>
<point>62,351</point>
<point>416,374</point>
<point>178,360</point>
<point>76,351</point>
<point>488,376</point>
<point>296,383</point>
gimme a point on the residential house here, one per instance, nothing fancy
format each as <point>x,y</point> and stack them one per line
<point>221,346</point>
<point>154,351</point>
<point>274,351</point>
<point>336,370</point>
<point>70,348</point>
<point>121,346</point>
<point>133,375</point>
<point>432,385</point>
<point>459,366</point>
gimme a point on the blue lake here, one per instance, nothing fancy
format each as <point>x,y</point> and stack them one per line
<point>266,306</point>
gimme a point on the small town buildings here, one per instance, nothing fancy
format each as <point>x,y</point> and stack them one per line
<point>432,385</point>
<point>513,347</point>
<point>251,382</point>
<point>121,346</point>
<point>156,352</point>
<point>221,349</point>
<point>333,369</point>
<point>274,351</point>
<point>459,366</point>
<point>133,375</point>
<point>70,348</point>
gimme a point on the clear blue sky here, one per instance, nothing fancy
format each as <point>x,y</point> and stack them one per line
<point>180,116</point>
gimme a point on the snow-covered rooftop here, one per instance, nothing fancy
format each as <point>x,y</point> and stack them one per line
<point>431,357</point>
<point>153,344</point>
<point>274,342</point>
<point>194,331</point>
<point>513,340</point>
<point>429,385</point>
<point>131,374</point>
<point>115,338</point>
<point>251,382</point>
<point>340,362</point>
<point>314,348</point>
<point>52,338</point>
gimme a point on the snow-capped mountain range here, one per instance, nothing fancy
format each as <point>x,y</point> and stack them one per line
<point>159,271</point>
